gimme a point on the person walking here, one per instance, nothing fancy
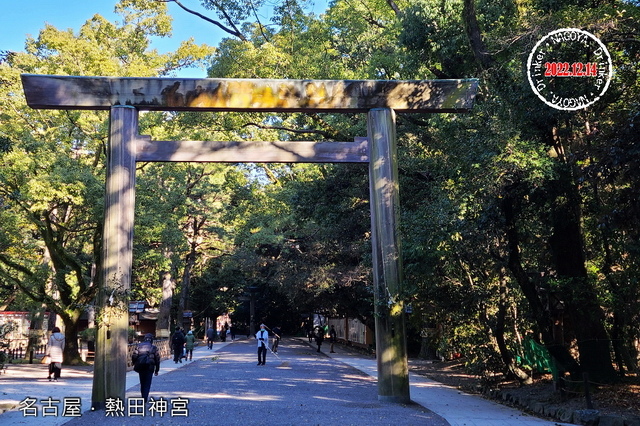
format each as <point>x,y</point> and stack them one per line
<point>319,336</point>
<point>332,338</point>
<point>146,362</point>
<point>55,351</point>
<point>190,342</point>
<point>262,337</point>
<point>276,339</point>
<point>310,333</point>
<point>178,343</point>
<point>211,335</point>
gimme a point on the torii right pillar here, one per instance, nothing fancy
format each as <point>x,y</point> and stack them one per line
<point>391,343</point>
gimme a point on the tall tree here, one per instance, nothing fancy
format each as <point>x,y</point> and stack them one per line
<point>496,36</point>
<point>52,174</point>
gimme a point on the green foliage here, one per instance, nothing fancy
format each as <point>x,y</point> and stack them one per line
<point>5,330</point>
<point>433,32</point>
<point>52,162</point>
<point>488,199</point>
<point>88,334</point>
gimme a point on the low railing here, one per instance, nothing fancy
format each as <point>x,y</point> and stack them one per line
<point>163,347</point>
<point>20,351</point>
<point>87,351</point>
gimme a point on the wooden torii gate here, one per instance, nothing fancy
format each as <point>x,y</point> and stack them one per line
<point>124,97</point>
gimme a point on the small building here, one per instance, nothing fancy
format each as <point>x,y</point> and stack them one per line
<point>142,318</point>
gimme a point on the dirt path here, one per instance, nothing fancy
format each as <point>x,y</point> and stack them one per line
<point>621,399</point>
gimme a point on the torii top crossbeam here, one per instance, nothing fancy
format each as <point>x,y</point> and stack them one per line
<point>181,94</point>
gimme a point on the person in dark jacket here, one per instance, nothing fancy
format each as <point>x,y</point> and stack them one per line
<point>146,361</point>
<point>333,338</point>
<point>177,342</point>
<point>319,336</point>
<point>211,336</point>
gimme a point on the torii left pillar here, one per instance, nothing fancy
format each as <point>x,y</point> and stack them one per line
<point>110,369</point>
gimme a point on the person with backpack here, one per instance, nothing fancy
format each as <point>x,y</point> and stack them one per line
<point>146,362</point>
<point>177,342</point>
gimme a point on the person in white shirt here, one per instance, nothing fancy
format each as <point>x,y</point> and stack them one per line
<point>262,337</point>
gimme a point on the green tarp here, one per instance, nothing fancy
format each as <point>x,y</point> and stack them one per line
<point>538,358</point>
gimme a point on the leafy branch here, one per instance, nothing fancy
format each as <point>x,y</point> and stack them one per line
<point>231,28</point>
<point>322,133</point>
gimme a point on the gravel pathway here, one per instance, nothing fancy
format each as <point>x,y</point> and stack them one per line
<point>299,387</point>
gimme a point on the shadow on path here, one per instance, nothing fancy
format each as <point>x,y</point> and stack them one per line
<point>299,387</point>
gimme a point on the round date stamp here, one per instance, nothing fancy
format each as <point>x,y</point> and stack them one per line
<point>569,69</point>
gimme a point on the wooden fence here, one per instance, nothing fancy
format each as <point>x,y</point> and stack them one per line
<point>18,350</point>
<point>352,331</point>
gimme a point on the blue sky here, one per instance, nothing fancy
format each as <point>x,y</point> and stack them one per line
<point>20,18</point>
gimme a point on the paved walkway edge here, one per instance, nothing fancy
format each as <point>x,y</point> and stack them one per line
<point>457,407</point>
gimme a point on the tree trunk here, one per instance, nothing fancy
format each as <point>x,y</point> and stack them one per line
<point>164,314</point>
<point>427,350</point>
<point>472,27</point>
<point>579,296</point>
<point>71,353</point>
<point>544,322</point>
<point>618,347</point>
<point>186,281</point>
<point>4,303</point>
<point>620,315</point>
<point>511,367</point>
